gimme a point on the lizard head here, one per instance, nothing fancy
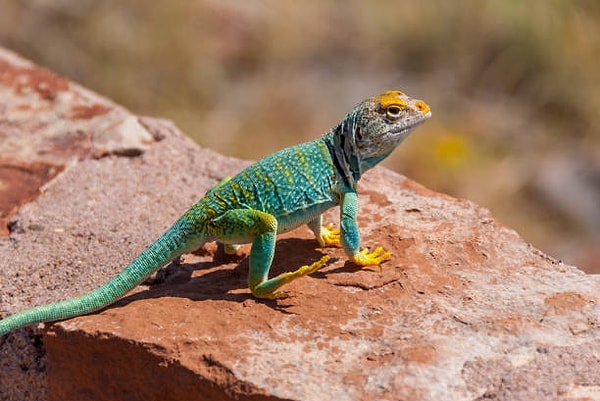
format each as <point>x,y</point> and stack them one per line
<point>374,128</point>
<point>384,121</point>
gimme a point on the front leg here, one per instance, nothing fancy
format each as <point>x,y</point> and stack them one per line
<point>350,236</point>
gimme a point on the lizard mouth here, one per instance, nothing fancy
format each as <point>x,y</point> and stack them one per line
<point>410,124</point>
<point>399,133</point>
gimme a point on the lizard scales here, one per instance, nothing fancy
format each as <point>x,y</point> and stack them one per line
<point>276,194</point>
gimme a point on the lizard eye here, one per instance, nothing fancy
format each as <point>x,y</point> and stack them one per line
<point>393,112</point>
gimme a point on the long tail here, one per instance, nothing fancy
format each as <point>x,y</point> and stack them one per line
<point>173,243</point>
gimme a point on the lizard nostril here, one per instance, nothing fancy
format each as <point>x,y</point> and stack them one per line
<point>422,106</point>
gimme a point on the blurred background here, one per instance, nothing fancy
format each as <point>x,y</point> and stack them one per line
<point>514,87</point>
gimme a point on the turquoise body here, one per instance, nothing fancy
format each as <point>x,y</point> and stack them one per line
<point>295,185</point>
<point>276,194</point>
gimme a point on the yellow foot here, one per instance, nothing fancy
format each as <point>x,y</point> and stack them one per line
<point>306,270</point>
<point>231,249</point>
<point>275,295</point>
<point>364,258</point>
<point>285,278</point>
<point>329,236</point>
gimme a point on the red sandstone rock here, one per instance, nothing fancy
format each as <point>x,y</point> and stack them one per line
<point>47,123</point>
<point>464,310</point>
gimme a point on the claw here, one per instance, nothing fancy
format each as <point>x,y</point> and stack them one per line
<point>308,269</point>
<point>329,236</point>
<point>276,295</point>
<point>285,278</point>
<point>366,258</point>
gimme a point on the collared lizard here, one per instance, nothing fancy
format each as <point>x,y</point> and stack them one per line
<point>284,190</point>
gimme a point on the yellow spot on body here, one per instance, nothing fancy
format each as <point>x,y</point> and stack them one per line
<point>325,154</point>
<point>300,155</point>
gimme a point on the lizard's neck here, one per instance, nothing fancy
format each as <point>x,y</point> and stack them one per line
<point>342,146</point>
<point>350,163</point>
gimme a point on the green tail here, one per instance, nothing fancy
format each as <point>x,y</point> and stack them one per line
<point>173,243</point>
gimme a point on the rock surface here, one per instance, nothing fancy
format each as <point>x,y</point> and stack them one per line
<point>465,309</point>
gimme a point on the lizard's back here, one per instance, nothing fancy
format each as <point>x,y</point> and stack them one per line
<point>298,178</point>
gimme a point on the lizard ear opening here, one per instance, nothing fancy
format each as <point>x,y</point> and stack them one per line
<point>357,134</point>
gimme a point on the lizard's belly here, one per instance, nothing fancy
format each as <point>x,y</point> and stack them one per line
<point>289,221</point>
<point>285,222</point>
